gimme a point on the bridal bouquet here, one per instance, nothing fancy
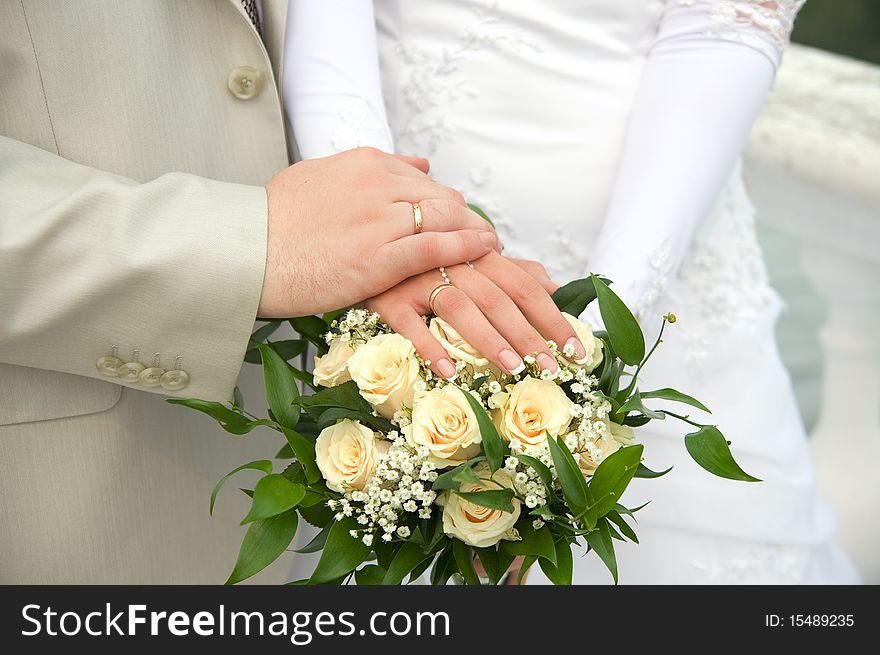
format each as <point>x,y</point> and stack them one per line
<point>407,474</point>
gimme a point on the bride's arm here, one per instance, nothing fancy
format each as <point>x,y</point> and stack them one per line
<point>331,87</point>
<point>704,82</point>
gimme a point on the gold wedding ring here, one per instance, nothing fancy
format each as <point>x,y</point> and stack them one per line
<point>435,293</point>
<point>417,218</point>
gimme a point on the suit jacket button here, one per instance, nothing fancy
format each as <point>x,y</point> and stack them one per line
<point>245,82</point>
<point>174,380</point>
<point>129,371</point>
<point>108,365</point>
<point>151,377</point>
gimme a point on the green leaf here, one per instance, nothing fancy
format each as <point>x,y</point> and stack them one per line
<point>464,559</point>
<point>561,572</point>
<point>265,331</point>
<point>330,416</point>
<point>285,452</point>
<point>526,565</point>
<point>343,396</point>
<point>534,542</point>
<point>444,567</point>
<point>342,553</point>
<point>405,560</point>
<point>264,541</point>
<point>273,495</point>
<point>574,486</point>
<point>634,402</point>
<point>675,396</point>
<point>318,515</point>
<point>493,446</point>
<point>237,399</point>
<point>289,348</point>
<point>623,329</point>
<point>625,528</point>
<point>613,476</point>
<point>417,572</point>
<point>643,471</point>
<point>636,420</point>
<point>313,329</point>
<point>281,390</point>
<point>491,498</point>
<point>304,449</point>
<point>317,542</point>
<point>229,419</point>
<point>263,465</point>
<point>370,575</point>
<point>540,468</point>
<point>477,210</point>
<point>708,448</point>
<point>573,298</point>
<point>491,563</point>
<point>467,475</point>
<point>600,541</point>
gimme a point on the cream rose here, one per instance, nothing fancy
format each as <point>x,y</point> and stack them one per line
<point>531,408</point>
<point>592,345</point>
<point>474,524</point>
<point>443,422</point>
<point>332,369</point>
<point>459,349</point>
<point>385,370</point>
<point>346,454</point>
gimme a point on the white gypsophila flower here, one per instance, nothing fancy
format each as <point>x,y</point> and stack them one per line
<point>511,463</point>
<point>367,539</point>
<point>494,386</point>
<point>521,478</point>
<point>531,501</point>
<point>403,532</point>
<point>577,387</point>
<point>537,524</point>
<point>568,350</point>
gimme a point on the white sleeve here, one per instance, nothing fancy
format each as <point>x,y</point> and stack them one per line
<point>704,82</point>
<point>331,86</point>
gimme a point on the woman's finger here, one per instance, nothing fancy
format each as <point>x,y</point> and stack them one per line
<point>456,308</point>
<point>533,300</point>
<point>503,314</point>
<point>403,318</point>
<point>537,271</point>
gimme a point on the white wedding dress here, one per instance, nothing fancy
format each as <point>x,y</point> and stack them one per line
<point>604,135</point>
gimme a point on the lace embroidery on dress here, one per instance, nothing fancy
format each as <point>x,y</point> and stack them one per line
<point>753,22</point>
<point>726,284</point>
<point>434,81</point>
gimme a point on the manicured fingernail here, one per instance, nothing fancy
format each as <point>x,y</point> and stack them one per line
<point>488,239</point>
<point>577,350</point>
<point>446,368</point>
<point>512,362</point>
<point>547,363</point>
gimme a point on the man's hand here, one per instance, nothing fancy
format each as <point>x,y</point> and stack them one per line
<point>341,229</point>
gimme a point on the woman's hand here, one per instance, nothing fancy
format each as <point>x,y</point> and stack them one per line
<point>501,306</point>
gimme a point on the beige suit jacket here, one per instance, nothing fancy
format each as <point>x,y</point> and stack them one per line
<point>132,214</point>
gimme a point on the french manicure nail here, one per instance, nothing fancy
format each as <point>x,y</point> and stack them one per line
<point>446,369</point>
<point>579,354</point>
<point>547,363</point>
<point>512,362</point>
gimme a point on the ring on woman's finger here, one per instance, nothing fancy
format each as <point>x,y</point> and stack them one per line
<point>417,218</point>
<point>436,292</point>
